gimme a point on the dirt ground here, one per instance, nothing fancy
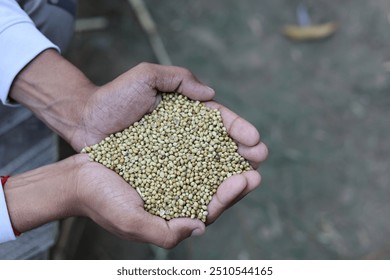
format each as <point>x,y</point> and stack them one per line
<point>321,107</point>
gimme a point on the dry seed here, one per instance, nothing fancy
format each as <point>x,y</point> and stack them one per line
<point>175,157</point>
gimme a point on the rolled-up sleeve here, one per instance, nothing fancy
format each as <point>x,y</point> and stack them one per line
<point>20,42</point>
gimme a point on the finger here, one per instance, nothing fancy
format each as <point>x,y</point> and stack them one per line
<point>253,181</point>
<point>227,192</point>
<point>165,234</point>
<point>176,79</point>
<point>231,191</point>
<point>255,155</point>
<point>239,129</point>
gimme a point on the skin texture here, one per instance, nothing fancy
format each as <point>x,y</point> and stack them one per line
<point>84,114</point>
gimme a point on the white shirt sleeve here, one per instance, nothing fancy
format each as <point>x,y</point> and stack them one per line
<point>6,231</point>
<point>20,42</point>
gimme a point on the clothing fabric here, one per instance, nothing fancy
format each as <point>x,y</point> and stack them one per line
<point>53,18</point>
<point>27,28</point>
<point>6,231</point>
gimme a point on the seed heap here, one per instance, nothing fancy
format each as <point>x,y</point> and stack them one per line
<point>175,157</point>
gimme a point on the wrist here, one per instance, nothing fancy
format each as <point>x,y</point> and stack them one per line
<point>4,179</point>
<point>42,195</point>
<point>55,90</point>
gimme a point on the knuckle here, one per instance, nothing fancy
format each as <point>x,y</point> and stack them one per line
<point>146,69</point>
<point>146,73</point>
<point>186,72</point>
<point>170,241</point>
<point>144,65</point>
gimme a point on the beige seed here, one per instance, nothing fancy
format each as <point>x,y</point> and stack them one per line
<point>175,157</point>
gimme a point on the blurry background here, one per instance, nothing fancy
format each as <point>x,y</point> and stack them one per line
<point>321,107</point>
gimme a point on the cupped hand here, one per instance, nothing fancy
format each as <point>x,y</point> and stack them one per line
<point>125,100</point>
<point>84,114</point>
<point>251,148</point>
<point>106,198</point>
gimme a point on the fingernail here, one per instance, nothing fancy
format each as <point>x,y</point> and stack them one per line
<point>210,89</point>
<point>197,232</point>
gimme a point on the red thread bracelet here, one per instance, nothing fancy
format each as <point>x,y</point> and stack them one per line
<point>3,181</point>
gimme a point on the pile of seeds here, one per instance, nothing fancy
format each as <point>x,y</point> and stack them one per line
<point>175,157</point>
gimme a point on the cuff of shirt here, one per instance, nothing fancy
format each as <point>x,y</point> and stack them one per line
<point>6,231</point>
<point>20,43</point>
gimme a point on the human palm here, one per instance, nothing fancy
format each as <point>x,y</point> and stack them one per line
<point>129,97</point>
<point>111,202</point>
<point>84,114</point>
<point>117,105</point>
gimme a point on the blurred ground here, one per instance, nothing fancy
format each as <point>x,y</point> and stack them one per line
<point>321,107</point>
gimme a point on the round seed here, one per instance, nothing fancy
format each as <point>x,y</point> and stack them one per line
<point>175,157</point>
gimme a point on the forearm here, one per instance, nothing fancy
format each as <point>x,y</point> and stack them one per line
<point>55,91</point>
<point>42,195</point>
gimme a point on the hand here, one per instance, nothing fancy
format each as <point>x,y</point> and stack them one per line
<point>84,114</point>
<point>113,204</point>
<point>78,187</point>
<point>116,206</point>
<point>125,100</point>
<point>251,148</point>
<point>109,200</point>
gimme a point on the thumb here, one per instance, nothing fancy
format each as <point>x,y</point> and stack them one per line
<point>168,234</point>
<point>175,79</point>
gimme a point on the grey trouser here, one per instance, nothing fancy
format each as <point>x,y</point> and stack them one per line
<point>54,18</point>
